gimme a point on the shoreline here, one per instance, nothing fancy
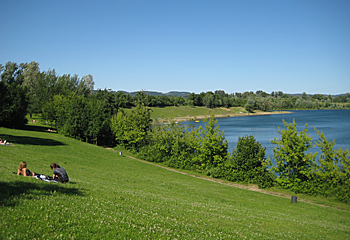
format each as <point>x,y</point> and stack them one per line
<point>201,117</point>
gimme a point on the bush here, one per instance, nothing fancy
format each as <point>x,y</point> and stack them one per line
<point>248,164</point>
<point>300,172</point>
<point>294,165</point>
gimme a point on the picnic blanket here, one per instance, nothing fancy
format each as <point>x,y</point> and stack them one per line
<point>43,177</point>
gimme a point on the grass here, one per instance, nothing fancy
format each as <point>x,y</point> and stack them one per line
<point>116,197</point>
<point>187,113</point>
<point>191,113</point>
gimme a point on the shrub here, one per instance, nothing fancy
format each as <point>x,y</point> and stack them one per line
<point>294,165</point>
<point>248,163</point>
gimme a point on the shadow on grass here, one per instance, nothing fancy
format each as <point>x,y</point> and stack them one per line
<point>30,140</point>
<point>35,128</point>
<point>12,192</point>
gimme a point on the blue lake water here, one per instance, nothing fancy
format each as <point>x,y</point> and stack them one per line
<point>334,123</point>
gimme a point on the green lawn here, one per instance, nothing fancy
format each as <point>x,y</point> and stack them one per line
<point>116,197</point>
<point>185,111</point>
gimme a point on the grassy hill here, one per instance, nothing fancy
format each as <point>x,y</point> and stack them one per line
<point>117,197</point>
<point>187,113</point>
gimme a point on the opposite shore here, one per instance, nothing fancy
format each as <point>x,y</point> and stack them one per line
<point>240,114</point>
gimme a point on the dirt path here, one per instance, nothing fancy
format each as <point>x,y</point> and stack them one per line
<point>250,187</point>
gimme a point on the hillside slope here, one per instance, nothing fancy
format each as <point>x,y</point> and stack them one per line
<point>117,197</point>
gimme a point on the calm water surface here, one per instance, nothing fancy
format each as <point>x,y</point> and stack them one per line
<point>334,123</point>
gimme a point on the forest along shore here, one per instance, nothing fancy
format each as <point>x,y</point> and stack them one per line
<point>199,117</point>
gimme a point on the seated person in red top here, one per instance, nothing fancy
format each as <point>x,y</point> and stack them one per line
<point>59,173</point>
<point>23,170</point>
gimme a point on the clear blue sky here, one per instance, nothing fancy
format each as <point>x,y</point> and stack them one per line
<point>195,46</point>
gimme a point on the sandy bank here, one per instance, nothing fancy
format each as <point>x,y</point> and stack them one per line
<point>194,118</point>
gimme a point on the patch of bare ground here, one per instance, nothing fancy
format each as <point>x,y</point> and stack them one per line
<point>250,187</point>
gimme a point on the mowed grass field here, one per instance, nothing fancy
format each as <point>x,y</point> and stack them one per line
<point>191,113</point>
<point>116,197</point>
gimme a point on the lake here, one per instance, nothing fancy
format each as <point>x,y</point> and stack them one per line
<point>334,123</point>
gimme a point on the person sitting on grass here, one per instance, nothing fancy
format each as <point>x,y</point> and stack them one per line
<point>2,142</point>
<point>23,170</point>
<point>5,143</point>
<point>59,173</point>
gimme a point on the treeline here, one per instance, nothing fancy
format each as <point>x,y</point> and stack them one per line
<point>25,89</point>
<point>261,100</point>
<point>251,101</point>
<point>68,103</point>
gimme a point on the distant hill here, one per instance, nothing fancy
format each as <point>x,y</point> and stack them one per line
<point>186,94</point>
<point>172,93</point>
<point>178,94</point>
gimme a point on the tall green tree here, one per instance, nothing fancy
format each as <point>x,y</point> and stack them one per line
<point>30,79</point>
<point>88,82</point>
<point>293,163</point>
<point>13,96</point>
<point>250,105</point>
<point>141,97</point>
<point>249,164</point>
<point>213,148</point>
<point>332,173</point>
<point>131,129</point>
<point>45,89</point>
<point>77,118</point>
<point>208,100</point>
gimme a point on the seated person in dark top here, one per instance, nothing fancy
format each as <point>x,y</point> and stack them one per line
<point>59,173</point>
<point>23,170</point>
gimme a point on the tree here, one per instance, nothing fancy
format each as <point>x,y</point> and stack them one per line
<point>304,96</point>
<point>123,100</point>
<point>111,102</point>
<point>332,174</point>
<point>100,112</point>
<point>208,100</point>
<point>131,129</point>
<point>45,89</point>
<point>261,93</point>
<point>263,104</point>
<point>13,96</point>
<point>140,97</point>
<point>294,165</point>
<point>54,111</point>
<point>77,118</point>
<point>249,163</point>
<point>30,79</point>
<point>88,82</point>
<point>286,104</point>
<point>227,102</point>
<point>213,148</point>
<point>195,99</point>
<point>250,105</point>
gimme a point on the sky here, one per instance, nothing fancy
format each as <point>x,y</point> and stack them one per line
<point>194,46</point>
